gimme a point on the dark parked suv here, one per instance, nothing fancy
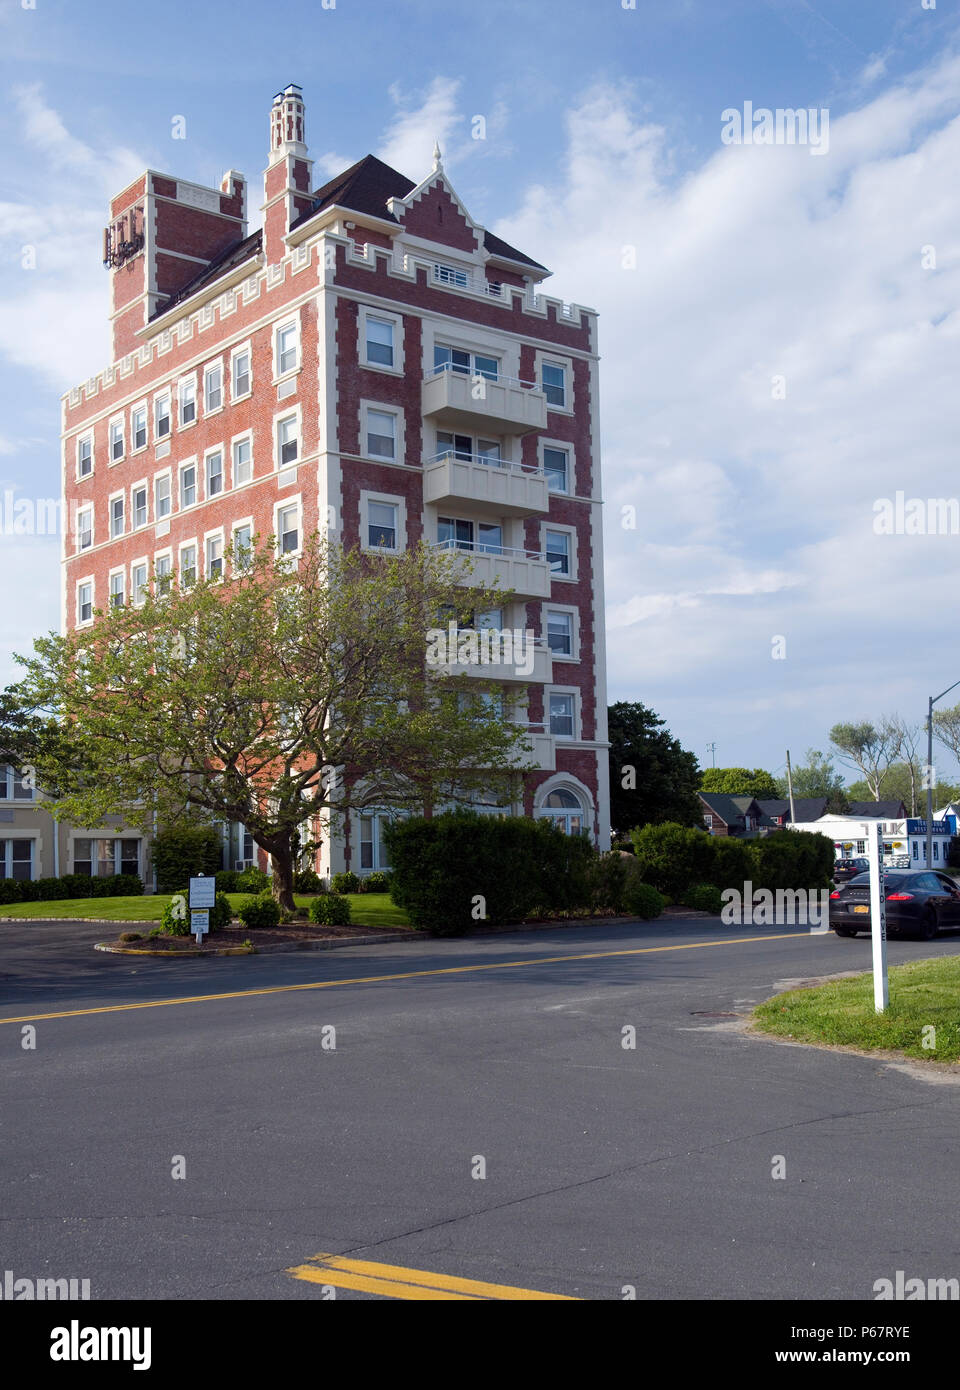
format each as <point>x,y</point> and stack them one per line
<point>844,869</point>
<point>919,902</point>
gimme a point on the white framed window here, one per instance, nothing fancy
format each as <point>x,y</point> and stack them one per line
<point>381,340</point>
<point>118,589</point>
<point>163,573</point>
<point>85,456</point>
<point>555,460</point>
<point>188,485</point>
<point>242,451</point>
<point>138,427</point>
<point>161,415</point>
<point>116,440</point>
<point>555,384</point>
<point>187,398</point>
<point>445,274</point>
<point>373,848</point>
<point>139,504</point>
<point>560,548</point>
<point>381,431</point>
<point>287,527</point>
<point>383,522</point>
<point>15,785</point>
<point>97,857</point>
<point>241,379</point>
<point>188,565</point>
<point>561,629</point>
<point>213,388</point>
<point>214,472</point>
<point>286,348</point>
<point>84,528</point>
<point>464,362</point>
<point>16,858</point>
<point>84,602</point>
<point>161,496</point>
<point>117,516</point>
<point>564,808</point>
<point>562,713</point>
<point>288,440</point>
<point>214,556</point>
<point>242,545</point>
<point>138,583</point>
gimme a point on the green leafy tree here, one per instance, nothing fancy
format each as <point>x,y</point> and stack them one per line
<point>901,784</point>
<point>740,781</point>
<point>289,692</point>
<point>652,779</point>
<point>815,777</point>
<point>870,748</point>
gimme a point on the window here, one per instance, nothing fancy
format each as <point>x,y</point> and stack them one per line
<point>373,849</point>
<point>242,462</point>
<point>558,551</point>
<point>214,557</point>
<point>85,602</point>
<point>382,525</point>
<point>214,473</point>
<point>161,495</point>
<point>464,446</point>
<point>188,402</point>
<point>188,485</point>
<point>916,849</point>
<point>139,586</point>
<point>288,441</point>
<point>241,373</point>
<point>117,594</point>
<point>213,388</point>
<point>468,363</point>
<point>164,573</point>
<point>380,342</point>
<point>116,516</point>
<point>555,467</point>
<point>99,858</point>
<point>116,440</point>
<point>560,633</point>
<point>139,427</point>
<point>287,348</point>
<point>288,529</point>
<point>84,528</point>
<point>14,786</point>
<point>16,859</point>
<point>554,382</point>
<point>161,415</point>
<point>242,546</point>
<point>483,536</point>
<point>139,507</point>
<point>450,275</point>
<point>564,809</point>
<point>381,434</point>
<point>861,846</point>
<point>188,566</point>
<point>561,716</point>
<point>85,456</point>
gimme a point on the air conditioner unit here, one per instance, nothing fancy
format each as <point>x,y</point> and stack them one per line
<point>241,864</point>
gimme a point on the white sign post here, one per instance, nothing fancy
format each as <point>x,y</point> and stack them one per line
<point>878,919</point>
<point>203,893</point>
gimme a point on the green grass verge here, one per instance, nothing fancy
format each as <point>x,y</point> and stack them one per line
<point>924,994</point>
<point>368,909</point>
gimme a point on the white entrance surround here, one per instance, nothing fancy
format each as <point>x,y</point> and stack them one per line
<point>566,782</point>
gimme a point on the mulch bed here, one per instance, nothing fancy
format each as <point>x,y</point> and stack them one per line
<point>259,936</point>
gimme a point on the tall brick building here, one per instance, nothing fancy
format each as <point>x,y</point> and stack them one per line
<point>374,362</point>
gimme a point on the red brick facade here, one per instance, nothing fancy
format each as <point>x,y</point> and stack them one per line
<point>198,292</point>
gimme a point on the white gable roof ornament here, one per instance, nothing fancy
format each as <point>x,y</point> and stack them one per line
<point>437,163</point>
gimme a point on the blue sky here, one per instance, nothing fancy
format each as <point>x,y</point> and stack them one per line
<point>603,131</point>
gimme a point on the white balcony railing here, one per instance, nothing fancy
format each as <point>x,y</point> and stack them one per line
<point>523,573</point>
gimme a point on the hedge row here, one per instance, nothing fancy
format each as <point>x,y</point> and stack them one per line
<point>14,890</point>
<point>675,858</point>
<point>460,870</point>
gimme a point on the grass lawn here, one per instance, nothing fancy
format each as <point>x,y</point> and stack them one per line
<point>368,909</point>
<point>922,994</point>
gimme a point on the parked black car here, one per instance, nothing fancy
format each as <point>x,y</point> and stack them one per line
<point>919,902</point>
<point>845,869</point>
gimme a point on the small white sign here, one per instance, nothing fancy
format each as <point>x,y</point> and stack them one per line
<point>203,891</point>
<point>199,922</point>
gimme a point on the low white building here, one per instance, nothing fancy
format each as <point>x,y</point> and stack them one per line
<point>904,840</point>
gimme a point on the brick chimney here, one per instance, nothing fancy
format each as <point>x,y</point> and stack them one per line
<point>288,179</point>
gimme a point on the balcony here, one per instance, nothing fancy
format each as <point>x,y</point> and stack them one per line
<point>488,485</point>
<point>525,573</point>
<point>543,750</point>
<point>482,404</point>
<point>532,665</point>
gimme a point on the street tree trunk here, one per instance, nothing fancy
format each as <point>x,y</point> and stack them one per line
<point>282,861</point>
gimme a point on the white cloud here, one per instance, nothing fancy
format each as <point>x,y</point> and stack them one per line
<point>408,144</point>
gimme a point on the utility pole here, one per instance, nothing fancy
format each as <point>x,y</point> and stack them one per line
<point>712,750</point>
<point>933,700</point>
<point>793,814</point>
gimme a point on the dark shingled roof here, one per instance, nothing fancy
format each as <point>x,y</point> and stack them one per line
<point>730,809</point>
<point>234,255</point>
<point>368,185</point>
<point>808,808</point>
<point>883,810</point>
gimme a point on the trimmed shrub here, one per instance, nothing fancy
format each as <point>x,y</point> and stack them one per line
<point>345,883</point>
<point>733,862</point>
<point>261,911</point>
<point>331,910</point>
<point>10,891</point>
<point>792,859</point>
<point>671,856</point>
<point>644,901</point>
<point>704,897</point>
<point>69,886</point>
<point>608,882</point>
<point>221,914</point>
<point>185,851</point>
<point>252,880</point>
<point>306,881</point>
<point>130,936</point>
<point>227,881</point>
<point>175,918</point>
<point>378,881</point>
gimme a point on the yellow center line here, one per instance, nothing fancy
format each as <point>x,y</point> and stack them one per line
<point>405,975</point>
<point>397,1281</point>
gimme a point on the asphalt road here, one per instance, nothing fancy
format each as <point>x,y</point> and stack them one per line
<point>606,1168</point>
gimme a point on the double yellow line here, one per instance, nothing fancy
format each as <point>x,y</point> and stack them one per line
<point>396,1281</point>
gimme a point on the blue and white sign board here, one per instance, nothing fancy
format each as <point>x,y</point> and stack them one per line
<point>203,891</point>
<point>199,922</point>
